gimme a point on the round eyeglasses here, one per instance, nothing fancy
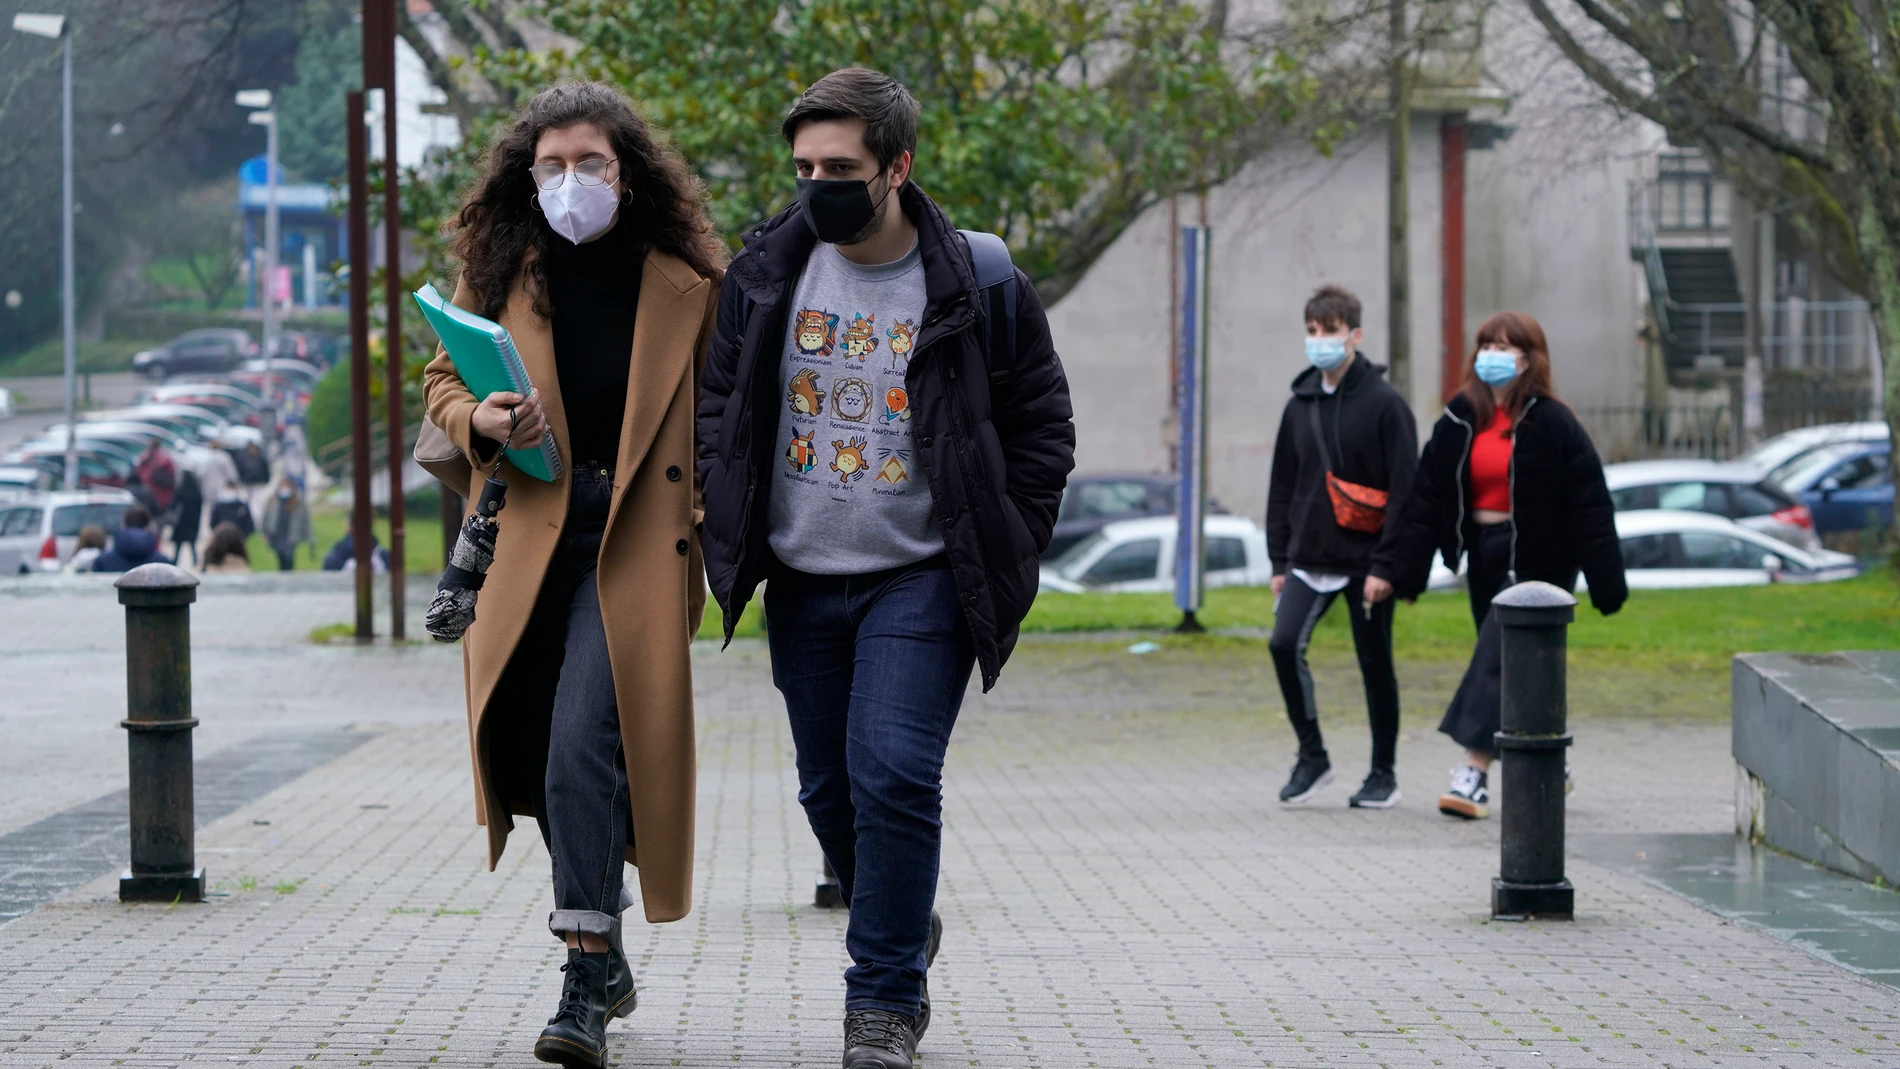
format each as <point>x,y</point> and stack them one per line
<point>591,172</point>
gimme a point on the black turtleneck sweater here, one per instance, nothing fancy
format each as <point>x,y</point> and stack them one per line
<point>594,289</point>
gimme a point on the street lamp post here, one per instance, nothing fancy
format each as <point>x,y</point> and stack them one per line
<point>56,28</point>
<point>266,116</point>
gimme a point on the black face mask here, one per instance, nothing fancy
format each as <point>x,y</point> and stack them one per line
<point>838,210</point>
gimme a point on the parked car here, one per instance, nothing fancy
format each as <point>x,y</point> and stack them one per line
<point>1132,556</point>
<point>229,403</point>
<point>1847,486</point>
<point>24,480</point>
<point>131,435</point>
<point>1792,445</point>
<point>1736,491</point>
<point>185,421</point>
<point>1091,501</point>
<point>39,534</point>
<point>6,403</point>
<point>310,347</point>
<point>210,349</point>
<point>1665,549</point>
<point>97,466</point>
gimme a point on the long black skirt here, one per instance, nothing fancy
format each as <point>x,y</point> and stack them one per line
<point>1472,718</point>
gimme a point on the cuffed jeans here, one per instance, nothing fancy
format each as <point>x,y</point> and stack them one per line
<point>873,669</point>
<point>585,811</point>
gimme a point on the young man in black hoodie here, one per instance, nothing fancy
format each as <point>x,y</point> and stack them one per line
<point>1342,464</point>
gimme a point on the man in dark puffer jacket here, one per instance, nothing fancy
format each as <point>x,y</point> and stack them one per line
<point>855,449</point>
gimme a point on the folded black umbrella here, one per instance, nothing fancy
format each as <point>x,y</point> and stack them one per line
<point>453,607</point>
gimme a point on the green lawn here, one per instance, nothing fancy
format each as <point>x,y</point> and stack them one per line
<point>423,545</point>
<point>1657,629</point>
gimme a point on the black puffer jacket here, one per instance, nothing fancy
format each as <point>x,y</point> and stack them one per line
<point>1366,436</point>
<point>1559,506</point>
<point>996,456</point>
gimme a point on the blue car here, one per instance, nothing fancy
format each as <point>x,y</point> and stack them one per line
<point>1847,487</point>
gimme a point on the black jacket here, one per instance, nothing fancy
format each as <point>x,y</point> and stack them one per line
<point>1371,440</point>
<point>131,547</point>
<point>996,456</point>
<point>1559,506</point>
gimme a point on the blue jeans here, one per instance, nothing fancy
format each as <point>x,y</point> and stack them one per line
<point>873,669</point>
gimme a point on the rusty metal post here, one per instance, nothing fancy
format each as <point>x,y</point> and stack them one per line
<point>158,723</point>
<point>353,129</point>
<point>393,297</point>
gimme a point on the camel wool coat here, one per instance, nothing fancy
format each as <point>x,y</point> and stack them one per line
<point>651,576</point>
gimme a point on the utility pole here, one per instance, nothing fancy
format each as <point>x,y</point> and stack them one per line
<point>1398,212</point>
<point>359,360</point>
<point>57,28</point>
<point>266,117</point>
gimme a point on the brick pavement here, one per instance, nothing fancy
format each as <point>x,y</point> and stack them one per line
<point>1118,888</point>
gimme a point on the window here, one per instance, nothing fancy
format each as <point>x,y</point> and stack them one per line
<point>1707,549</point>
<point>1695,497</point>
<point>1755,501</point>
<point>1633,497</point>
<point>1652,551</point>
<point>1096,501</point>
<point>1126,563</point>
<point>1862,473</point>
<point>20,522</point>
<point>68,520</point>
<point>1225,555</point>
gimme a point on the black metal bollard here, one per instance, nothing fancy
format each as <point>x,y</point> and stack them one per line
<point>157,600</point>
<point>1532,619</point>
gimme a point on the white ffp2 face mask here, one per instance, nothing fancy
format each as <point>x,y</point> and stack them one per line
<point>578,212</point>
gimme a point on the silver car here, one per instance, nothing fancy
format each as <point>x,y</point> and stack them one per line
<point>39,533</point>
<point>1739,492</point>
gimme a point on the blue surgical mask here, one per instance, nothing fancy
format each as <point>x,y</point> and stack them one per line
<point>1496,367</point>
<point>1326,353</point>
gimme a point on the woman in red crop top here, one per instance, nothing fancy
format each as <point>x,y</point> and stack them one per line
<point>1511,482</point>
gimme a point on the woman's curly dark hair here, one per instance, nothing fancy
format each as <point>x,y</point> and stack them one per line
<point>499,223</point>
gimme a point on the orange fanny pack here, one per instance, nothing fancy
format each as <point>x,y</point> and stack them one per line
<point>1355,507</point>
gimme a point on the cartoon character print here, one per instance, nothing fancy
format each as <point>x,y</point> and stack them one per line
<point>896,405</point>
<point>805,396</point>
<point>860,337</point>
<point>817,332</point>
<point>851,400</point>
<point>903,335</point>
<point>849,462</point>
<point>802,454</point>
<point>895,467</point>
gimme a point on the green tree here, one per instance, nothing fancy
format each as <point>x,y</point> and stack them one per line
<point>199,228</point>
<point>1796,102</point>
<point>1052,122</point>
<point>310,141</point>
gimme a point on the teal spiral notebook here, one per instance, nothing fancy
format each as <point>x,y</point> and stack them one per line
<point>484,355</point>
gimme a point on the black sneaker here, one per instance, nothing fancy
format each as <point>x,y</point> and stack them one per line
<point>930,956</point>
<point>879,1039</point>
<point>577,1033</point>
<point>1468,798</point>
<point>1379,791</point>
<point>1310,773</point>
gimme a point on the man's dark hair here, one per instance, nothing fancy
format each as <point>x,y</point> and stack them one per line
<point>135,517</point>
<point>887,108</point>
<point>1333,307</point>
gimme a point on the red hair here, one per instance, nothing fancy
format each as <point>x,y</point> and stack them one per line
<point>1521,331</point>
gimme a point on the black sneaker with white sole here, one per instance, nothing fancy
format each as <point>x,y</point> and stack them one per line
<point>1468,799</point>
<point>1310,773</point>
<point>1379,791</point>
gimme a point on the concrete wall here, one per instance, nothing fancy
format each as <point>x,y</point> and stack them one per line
<point>1545,233</point>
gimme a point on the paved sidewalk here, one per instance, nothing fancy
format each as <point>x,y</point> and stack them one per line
<point>1118,888</point>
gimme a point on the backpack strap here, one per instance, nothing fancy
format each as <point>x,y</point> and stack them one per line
<point>996,283</point>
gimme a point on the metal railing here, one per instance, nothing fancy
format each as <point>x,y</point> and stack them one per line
<point>1797,335</point>
<point>1709,427</point>
<point>334,457</point>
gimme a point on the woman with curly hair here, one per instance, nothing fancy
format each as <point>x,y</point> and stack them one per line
<point>588,240</point>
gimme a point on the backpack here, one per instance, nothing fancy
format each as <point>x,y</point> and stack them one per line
<point>996,284</point>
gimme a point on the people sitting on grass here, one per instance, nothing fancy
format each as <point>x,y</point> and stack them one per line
<point>133,544</point>
<point>227,555</point>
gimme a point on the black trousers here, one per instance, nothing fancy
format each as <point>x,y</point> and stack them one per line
<point>1477,709</point>
<point>1299,612</point>
<point>564,722</point>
